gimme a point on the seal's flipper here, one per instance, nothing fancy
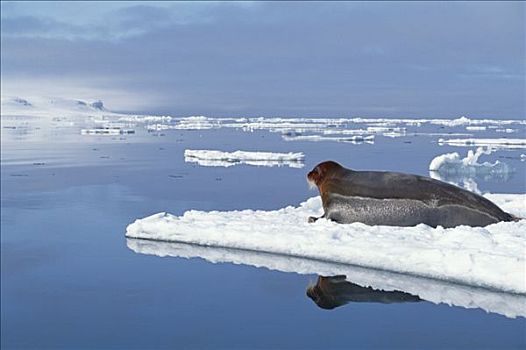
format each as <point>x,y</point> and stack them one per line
<point>313,219</point>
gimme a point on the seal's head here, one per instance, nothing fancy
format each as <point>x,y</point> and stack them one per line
<point>322,172</point>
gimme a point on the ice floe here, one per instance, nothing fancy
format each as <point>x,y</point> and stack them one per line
<point>498,143</point>
<point>453,164</point>
<point>226,159</point>
<point>476,128</point>
<point>383,129</point>
<point>491,257</point>
<point>284,125</point>
<point>346,132</point>
<point>107,131</point>
<point>506,130</point>
<point>464,172</point>
<point>435,291</point>
<point>356,139</point>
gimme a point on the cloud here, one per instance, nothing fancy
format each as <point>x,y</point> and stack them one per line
<point>436,59</point>
<point>103,22</point>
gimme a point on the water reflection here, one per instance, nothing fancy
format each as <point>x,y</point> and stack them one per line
<point>335,291</point>
<point>381,282</point>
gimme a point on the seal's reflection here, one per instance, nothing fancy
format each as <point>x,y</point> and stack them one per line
<point>334,291</point>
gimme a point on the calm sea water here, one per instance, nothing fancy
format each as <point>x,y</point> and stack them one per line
<point>70,281</point>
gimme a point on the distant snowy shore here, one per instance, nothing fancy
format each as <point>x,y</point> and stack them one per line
<point>57,106</point>
<point>491,257</point>
<point>351,130</point>
<point>51,107</point>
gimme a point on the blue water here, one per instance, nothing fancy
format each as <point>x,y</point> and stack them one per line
<point>70,281</point>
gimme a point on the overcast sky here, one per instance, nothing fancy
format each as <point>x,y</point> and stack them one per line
<point>257,58</point>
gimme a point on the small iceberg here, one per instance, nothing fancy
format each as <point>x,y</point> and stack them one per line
<point>465,172</point>
<point>490,257</point>
<point>450,164</point>
<point>226,159</point>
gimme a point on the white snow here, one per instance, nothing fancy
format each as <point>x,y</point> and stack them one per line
<point>226,159</point>
<point>491,257</point>
<point>499,143</point>
<point>436,291</point>
<point>452,164</point>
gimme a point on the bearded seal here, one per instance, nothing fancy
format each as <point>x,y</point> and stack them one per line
<point>397,199</point>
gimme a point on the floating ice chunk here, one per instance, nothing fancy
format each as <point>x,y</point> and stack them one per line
<point>393,134</point>
<point>463,172</point>
<point>196,123</point>
<point>357,139</point>
<point>226,159</point>
<point>499,143</point>
<point>281,126</point>
<point>345,132</point>
<point>475,128</point>
<point>382,129</point>
<point>160,126</point>
<point>491,257</point>
<point>107,131</point>
<point>387,131</point>
<point>146,119</point>
<point>507,131</point>
<point>444,122</point>
<point>453,122</point>
<point>435,291</point>
<point>452,164</point>
<point>449,134</point>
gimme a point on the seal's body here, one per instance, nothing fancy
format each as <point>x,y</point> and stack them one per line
<point>396,199</point>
